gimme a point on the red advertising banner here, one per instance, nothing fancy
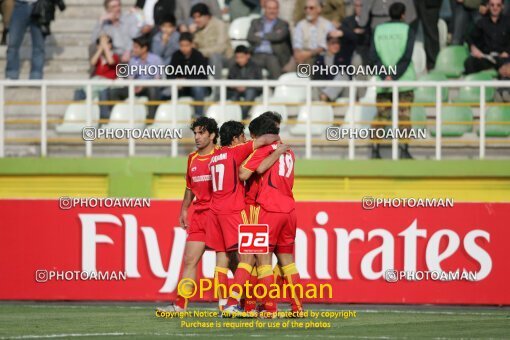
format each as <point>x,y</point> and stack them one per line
<point>452,255</point>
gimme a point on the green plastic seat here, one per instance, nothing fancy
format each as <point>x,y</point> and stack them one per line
<point>459,114</point>
<point>497,114</point>
<point>450,61</point>
<point>418,114</point>
<point>492,72</point>
<point>428,94</point>
<point>471,94</point>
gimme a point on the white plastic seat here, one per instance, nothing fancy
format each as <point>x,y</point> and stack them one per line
<point>224,114</point>
<point>257,110</point>
<point>164,114</point>
<point>288,93</point>
<point>75,118</point>
<point>443,33</point>
<point>119,118</point>
<point>239,28</point>
<point>321,118</point>
<point>419,58</point>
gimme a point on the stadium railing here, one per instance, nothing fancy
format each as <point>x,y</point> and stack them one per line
<point>265,85</point>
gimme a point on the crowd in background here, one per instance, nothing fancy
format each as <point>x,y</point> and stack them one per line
<point>287,33</point>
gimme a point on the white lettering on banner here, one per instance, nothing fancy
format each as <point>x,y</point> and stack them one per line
<point>386,251</point>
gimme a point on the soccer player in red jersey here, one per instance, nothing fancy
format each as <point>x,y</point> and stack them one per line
<point>202,233</point>
<point>228,191</point>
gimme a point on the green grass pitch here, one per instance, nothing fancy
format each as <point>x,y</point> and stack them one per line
<point>33,320</point>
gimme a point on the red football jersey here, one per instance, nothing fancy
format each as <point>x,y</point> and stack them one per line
<point>198,179</point>
<point>275,191</point>
<point>251,164</point>
<point>228,190</point>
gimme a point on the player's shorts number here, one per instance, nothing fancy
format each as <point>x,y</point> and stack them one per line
<point>286,161</point>
<point>218,169</point>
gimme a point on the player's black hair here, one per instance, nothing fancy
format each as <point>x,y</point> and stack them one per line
<point>207,124</point>
<point>242,49</point>
<point>275,116</point>
<point>263,125</point>
<point>396,10</point>
<point>186,36</point>
<point>229,130</point>
<point>201,9</point>
<point>168,18</point>
<point>143,41</point>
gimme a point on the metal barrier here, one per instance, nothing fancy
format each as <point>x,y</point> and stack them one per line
<point>265,85</point>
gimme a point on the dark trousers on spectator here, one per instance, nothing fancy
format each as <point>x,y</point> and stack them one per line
<point>121,93</point>
<point>463,21</point>
<point>21,19</point>
<point>249,95</point>
<point>270,63</point>
<point>428,12</point>
<point>473,65</point>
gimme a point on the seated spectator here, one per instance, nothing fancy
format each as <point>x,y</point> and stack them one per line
<point>310,34</point>
<point>187,57</point>
<point>270,40</point>
<point>333,10</point>
<point>184,18</point>
<point>211,38</point>
<point>166,41</point>
<point>121,27</point>
<point>350,25</point>
<point>503,93</point>
<point>141,56</point>
<point>489,41</point>
<point>105,63</point>
<point>243,68</point>
<point>333,55</point>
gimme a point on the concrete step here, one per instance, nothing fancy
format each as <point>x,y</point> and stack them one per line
<point>73,25</point>
<point>54,66</point>
<point>66,39</point>
<point>85,11</point>
<point>76,53</point>
<point>98,3</point>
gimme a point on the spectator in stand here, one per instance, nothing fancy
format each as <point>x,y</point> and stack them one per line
<point>428,14</point>
<point>188,57</point>
<point>310,34</point>
<point>121,27</point>
<point>243,68</point>
<point>490,40</point>
<point>141,56</point>
<point>21,19</point>
<point>242,8</point>
<point>361,45</point>
<point>465,14</point>
<point>185,19</point>
<point>269,37</point>
<point>104,62</point>
<point>392,45</point>
<point>333,10</point>
<point>503,94</point>
<point>334,55</point>
<point>166,41</point>
<point>211,38</point>
<point>375,12</point>
<point>6,7</point>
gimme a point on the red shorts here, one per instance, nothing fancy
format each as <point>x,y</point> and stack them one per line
<point>203,229</point>
<point>282,230</point>
<point>229,226</point>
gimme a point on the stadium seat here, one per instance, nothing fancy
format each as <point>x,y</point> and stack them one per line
<point>238,30</point>
<point>419,58</point>
<point>289,94</point>
<point>443,33</point>
<point>321,118</point>
<point>257,110</point>
<point>428,94</point>
<point>75,118</point>
<point>229,112</point>
<point>418,114</point>
<point>119,118</point>
<point>497,114</point>
<point>164,113</point>
<point>450,61</point>
<point>461,114</point>
<point>471,94</point>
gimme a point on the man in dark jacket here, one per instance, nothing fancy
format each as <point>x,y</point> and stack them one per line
<point>243,68</point>
<point>185,58</point>
<point>270,40</point>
